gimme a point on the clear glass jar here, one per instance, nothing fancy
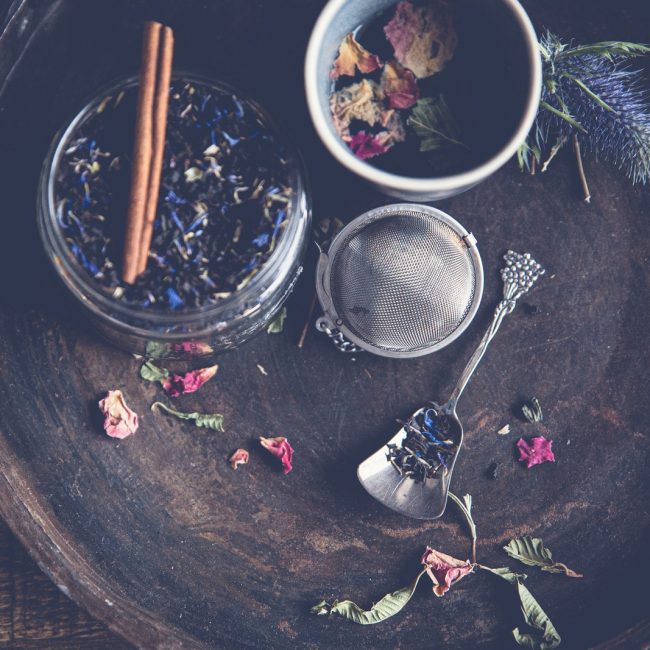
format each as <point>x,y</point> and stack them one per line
<point>191,332</point>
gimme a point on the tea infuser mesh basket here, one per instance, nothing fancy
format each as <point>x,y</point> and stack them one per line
<point>400,281</point>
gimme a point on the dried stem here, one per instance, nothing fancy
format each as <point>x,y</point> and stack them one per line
<point>310,313</point>
<point>581,169</point>
<point>559,143</point>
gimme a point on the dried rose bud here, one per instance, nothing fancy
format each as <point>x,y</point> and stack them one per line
<point>240,457</point>
<point>538,451</point>
<point>444,570</point>
<point>119,420</point>
<point>353,55</point>
<point>175,385</point>
<point>281,448</point>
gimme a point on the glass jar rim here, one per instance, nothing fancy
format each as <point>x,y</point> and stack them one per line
<point>64,257</point>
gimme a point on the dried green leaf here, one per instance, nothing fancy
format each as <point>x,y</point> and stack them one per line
<point>155,350</point>
<point>533,412</point>
<point>534,616</point>
<point>434,124</point>
<point>151,372</point>
<point>277,325</point>
<point>212,421</point>
<point>388,606</point>
<point>532,552</point>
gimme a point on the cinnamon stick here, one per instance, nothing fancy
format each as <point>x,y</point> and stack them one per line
<point>151,122</point>
<point>161,105</point>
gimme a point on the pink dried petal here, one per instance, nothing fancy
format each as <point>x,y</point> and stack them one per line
<point>539,451</point>
<point>444,570</point>
<point>366,145</point>
<point>399,85</point>
<point>119,420</point>
<point>423,38</point>
<point>191,381</point>
<point>281,448</point>
<point>240,457</point>
<point>353,55</point>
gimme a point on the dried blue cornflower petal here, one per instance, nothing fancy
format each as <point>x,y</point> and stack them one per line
<point>173,299</point>
<point>261,240</point>
<point>231,141</point>
<point>172,197</point>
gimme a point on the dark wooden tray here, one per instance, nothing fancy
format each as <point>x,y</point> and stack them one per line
<point>157,536</point>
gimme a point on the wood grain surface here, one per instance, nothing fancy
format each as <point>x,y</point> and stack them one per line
<point>159,538</point>
<point>34,613</point>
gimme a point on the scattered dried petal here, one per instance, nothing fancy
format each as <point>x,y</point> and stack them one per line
<point>119,420</point>
<point>504,430</point>
<point>362,101</point>
<point>175,385</point>
<point>399,85</point>
<point>538,451</point>
<point>240,457</point>
<point>444,570</point>
<point>262,369</point>
<point>280,448</point>
<point>424,38</point>
<point>353,55</point>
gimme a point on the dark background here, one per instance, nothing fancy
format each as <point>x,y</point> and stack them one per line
<point>583,355</point>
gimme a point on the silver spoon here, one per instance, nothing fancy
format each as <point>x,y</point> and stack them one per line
<point>426,499</point>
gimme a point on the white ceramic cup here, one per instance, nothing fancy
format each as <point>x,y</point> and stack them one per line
<point>338,18</point>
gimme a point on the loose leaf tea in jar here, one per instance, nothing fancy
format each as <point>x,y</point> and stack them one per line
<point>230,225</point>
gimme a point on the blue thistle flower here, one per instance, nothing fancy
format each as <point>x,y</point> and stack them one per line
<point>589,91</point>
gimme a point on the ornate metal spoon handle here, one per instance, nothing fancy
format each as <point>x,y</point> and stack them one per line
<point>518,275</point>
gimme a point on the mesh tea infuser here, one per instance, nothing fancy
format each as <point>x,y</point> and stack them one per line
<point>399,281</point>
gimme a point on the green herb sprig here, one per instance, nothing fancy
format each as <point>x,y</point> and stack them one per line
<point>212,421</point>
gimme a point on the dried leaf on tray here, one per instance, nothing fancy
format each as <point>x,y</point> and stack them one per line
<point>384,608</point>
<point>212,421</point>
<point>542,635</point>
<point>532,552</point>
